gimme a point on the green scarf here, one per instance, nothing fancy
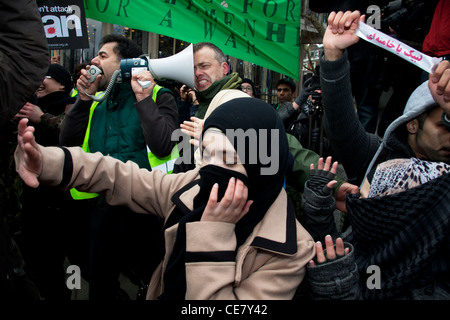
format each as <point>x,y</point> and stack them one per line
<point>232,81</point>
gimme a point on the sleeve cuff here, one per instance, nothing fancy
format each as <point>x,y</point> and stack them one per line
<point>210,241</point>
<point>316,200</point>
<point>53,164</point>
<point>335,279</point>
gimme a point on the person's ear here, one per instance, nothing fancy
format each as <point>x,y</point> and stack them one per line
<point>225,67</point>
<point>413,126</point>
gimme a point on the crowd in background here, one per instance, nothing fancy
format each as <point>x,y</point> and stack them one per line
<point>90,172</point>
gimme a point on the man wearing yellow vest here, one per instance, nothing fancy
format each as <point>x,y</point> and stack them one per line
<point>132,124</point>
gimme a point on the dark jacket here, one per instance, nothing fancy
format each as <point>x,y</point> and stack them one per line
<point>156,121</point>
<point>408,243</point>
<point>295,121</point>
<point>116,129</point>
<point>24,58</point>
<point>53,105</point>
<point>404,234</point>
<point>354,147</point>
<point>24,61</point>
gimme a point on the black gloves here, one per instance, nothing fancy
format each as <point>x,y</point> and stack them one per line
<point>305,93</point>
<point>318,181</point>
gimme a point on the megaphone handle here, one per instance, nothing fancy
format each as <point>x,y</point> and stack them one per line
<point>144,84</point>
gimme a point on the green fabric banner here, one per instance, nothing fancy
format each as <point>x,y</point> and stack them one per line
<point>264,32</point>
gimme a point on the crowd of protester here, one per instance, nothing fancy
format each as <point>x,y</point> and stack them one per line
<point>91,174</point>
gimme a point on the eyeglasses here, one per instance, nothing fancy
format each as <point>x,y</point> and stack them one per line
<point>246,88</point>
<point>283,89</point>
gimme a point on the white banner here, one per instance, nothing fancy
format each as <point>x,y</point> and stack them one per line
<point>397,47</point>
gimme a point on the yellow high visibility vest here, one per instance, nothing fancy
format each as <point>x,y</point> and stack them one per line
<point>165,164</point>
<point>74,92</point>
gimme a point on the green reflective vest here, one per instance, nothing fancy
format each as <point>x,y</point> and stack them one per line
<point>165,164</point>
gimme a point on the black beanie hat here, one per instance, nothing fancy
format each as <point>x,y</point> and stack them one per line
<point>60,74</point>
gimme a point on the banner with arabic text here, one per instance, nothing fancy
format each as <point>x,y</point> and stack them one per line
<point>264,32</point>
<point>397,47</point>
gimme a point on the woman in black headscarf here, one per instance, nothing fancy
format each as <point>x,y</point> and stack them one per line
<point>230,231</point>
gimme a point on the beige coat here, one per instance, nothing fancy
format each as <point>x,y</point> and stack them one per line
<point>269,265</point>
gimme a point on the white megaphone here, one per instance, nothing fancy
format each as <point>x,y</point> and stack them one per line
<point>179,67</point>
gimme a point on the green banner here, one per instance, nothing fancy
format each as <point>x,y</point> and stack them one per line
<point>264,32</point>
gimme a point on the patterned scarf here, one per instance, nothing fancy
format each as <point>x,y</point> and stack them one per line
<point>405,234</point>
<point>397,175</point>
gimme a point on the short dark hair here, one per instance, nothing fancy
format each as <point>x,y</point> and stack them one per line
<point>402,131</point>
<point>220,56</point>
<point>288,82</point>
<point>125,48</point>
<point>422,117</point>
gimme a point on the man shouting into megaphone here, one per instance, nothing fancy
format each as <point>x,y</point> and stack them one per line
<point>132,123</point>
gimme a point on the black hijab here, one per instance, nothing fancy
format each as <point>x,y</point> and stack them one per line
<point>250,115</point>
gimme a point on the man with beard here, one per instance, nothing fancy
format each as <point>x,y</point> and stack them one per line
<point>132,123</point>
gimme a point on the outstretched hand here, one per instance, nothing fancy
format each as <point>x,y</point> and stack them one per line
<point>332,253</point>
<point>322,179</point>
<point>232,207</point>
<point>28,155</point>
<point>307,90</point>
<point>193,129</point>
<point>326,172</point>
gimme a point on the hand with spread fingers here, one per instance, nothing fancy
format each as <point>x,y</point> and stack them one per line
<point>322,180</point>
<point>193,129</point>
<point>331,252</point>
<point>232,207</point>
<point>28,155</point>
